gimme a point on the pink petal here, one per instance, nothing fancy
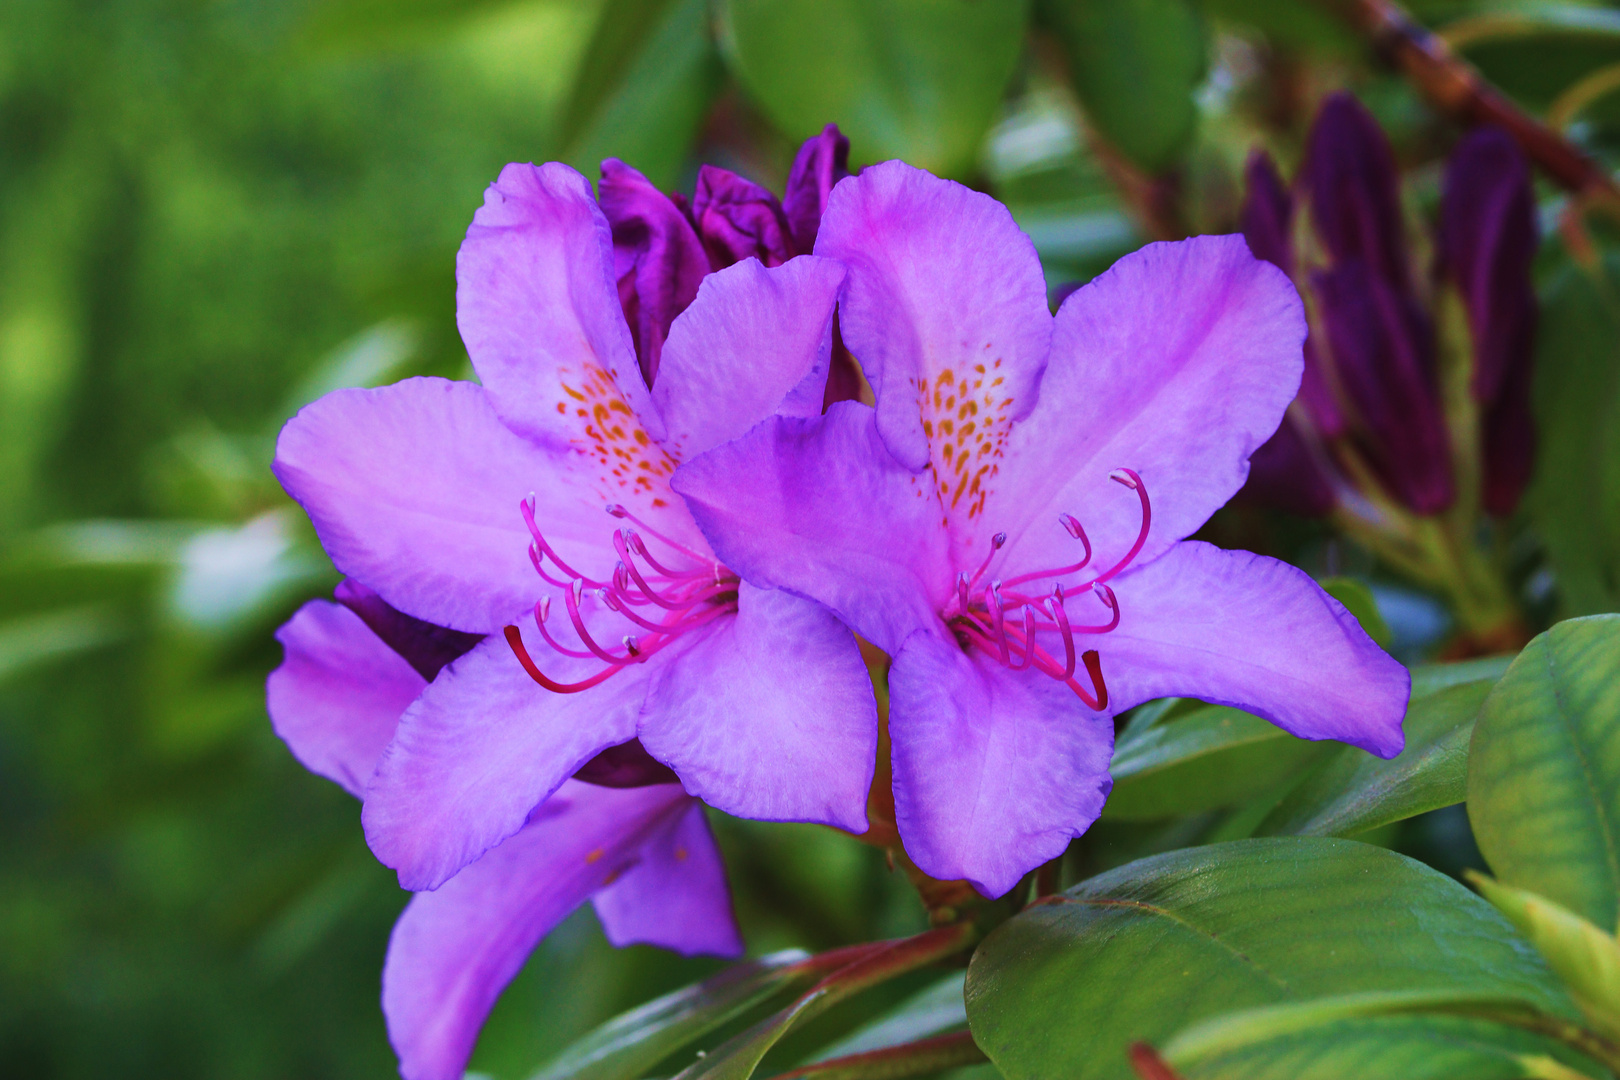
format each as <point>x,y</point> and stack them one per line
<point>338,695</point>
<point>1178,363</point>
<point>675,896</point>
<point>538,306</point>
<point>995,771</point>
<point>482,748</point>
<point>753,343</point>
<point>454,950</point>
<point>1239,629</point>
<point>946,311</point>
<point>771,717</point>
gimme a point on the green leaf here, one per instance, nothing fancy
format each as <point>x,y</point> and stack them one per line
<point>1369,1036</point>
<point>1359,600</point>
<point>1135,65</point>
<point>1143,951</point>
<point>646,83</point>
<point>632,1042</point>
<point>1544,769</point>
<point>933,1011</point>
<point>920,80</point>
<point>1585,957</point>
<point>1354,791</point>
<point>1289,23</point>
<point>1575,497</point>
<point>1211,757</point>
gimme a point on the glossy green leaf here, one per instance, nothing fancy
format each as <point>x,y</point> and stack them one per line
<point>1135,65</point>
<point>1211,757</point>
<point>1544,769</point>
<point>1575,497</point>
<point>1586,957</point>
<point>920,80</point>
<point>1353,791</point>
<point>629,1044</point>
<point>644,88</point>
<point>1146,950</point>
<point>933,1011</point>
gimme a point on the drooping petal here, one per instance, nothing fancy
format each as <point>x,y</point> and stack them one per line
<point>454,950</point>
<point>753,343</point>
<point>771,717</point>
<point>821,162</point>
<point>482,748</point>
<point>657,258</point>
<point>1383,350</point>
<point>946,311</point>
<point>820,508</point>
<point>338,695</point>
<point>675,896</point>
<point>1177,363</point>
<point>1268,213</point>
<point>1487,243</point>
<point>995,771</point>
<point>414,489</point>
<point>1350,181</point>
<point>426,647</point>
<point>737,219</point>
<point>1234,628</point>
<point>538,305</point>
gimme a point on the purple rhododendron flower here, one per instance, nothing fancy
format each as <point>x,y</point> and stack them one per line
<point>1008,523</point>
<point>608,616</point>
<point>644,857</point>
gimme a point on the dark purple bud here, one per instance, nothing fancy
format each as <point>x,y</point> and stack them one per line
<point>426,647</point>
<point>737,219</point>
<point>1350,179</point>
<point>1487,242</point>
<point>625,766</point>
<point>1383,350</point>
<point>657,258</point>
<point>1268,213</point>
<point>821,162</point>
<point>1284,473</point>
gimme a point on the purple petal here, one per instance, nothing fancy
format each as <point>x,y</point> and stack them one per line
<point>755,342</point>
<point>338,695</point>
<point>771,717</point>
<point>538,308</point>
<point>454,950</point>
<point>1284,473</point>
<point>946,310</point>
<point>1350,180</point>
<point>1487,243</point>
<point>820,508</point>
<point>821,162</point>
<point>1383,351</point>
<point>737,219</point>
<point>1239,629</point>
<point>657,258</point>
<point>482,748</point>
<point>995,771</point>
<point>627,765</point>
<point>675,896</point>
<point>426,647</point>
<point>414,489</point>
<point>1268,213</point>
<point>1179,362</point>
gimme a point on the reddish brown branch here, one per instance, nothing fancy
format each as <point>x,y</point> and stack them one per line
<point>1453,85</point>
<point>896,1062</point>
<point>1148,1064</point>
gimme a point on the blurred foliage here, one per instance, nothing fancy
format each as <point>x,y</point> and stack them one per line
<point>212,213</point>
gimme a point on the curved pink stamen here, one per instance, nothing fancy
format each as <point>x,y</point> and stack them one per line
<point>514,638</point>
<point>571,600</point>
<point>618,511</point>
<point>528,507</point>
<point>1134,482</point>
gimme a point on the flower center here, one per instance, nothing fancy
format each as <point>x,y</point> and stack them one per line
<point>672,599</point>
<point>1005,619</point>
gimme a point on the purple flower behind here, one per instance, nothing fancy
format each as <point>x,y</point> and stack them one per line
<point>1353,189</point>
<point>645,858</point>
<point>737,219</point>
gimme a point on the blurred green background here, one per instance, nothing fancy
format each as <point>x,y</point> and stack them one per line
<point>213,211</point>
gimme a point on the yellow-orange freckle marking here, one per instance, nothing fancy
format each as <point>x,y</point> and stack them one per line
<point>610,879</point>
<point>680,854</point>
<point>594,856</point>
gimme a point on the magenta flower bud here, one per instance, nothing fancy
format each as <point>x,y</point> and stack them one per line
<point>1267,217</point>
<point>821,162</point>
<point>1350,181</point>
<point>1285,474</point>
<point>737,219</point>
<point>657,258</point>
<point>1487,242</point>
<point>1383,350</point>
